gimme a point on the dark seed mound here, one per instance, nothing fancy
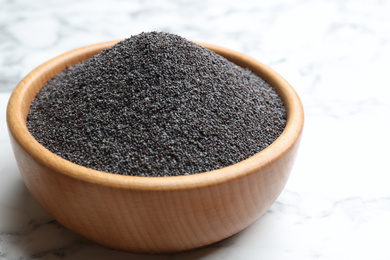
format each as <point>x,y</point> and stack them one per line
<point>156,104</point>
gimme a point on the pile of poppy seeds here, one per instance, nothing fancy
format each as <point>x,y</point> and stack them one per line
<point>156,104</point>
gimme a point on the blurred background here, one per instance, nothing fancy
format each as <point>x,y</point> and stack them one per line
<point>336,54</point>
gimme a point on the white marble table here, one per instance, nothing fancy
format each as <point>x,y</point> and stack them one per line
<point>336,54</point>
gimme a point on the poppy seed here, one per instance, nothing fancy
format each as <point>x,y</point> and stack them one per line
<point>156,104</point>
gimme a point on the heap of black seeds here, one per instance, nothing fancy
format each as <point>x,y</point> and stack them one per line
<point>156,104</point>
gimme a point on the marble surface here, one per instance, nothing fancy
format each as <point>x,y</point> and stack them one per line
<point>336,54</point>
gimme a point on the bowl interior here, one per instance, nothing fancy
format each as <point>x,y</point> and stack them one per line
<point>27,89</point>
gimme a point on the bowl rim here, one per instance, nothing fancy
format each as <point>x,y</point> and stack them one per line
<point>18,129</point>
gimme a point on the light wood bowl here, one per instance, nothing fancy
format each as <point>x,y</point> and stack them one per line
<point>152,214</point>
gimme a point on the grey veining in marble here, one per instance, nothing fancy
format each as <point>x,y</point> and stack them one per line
<point>336,54</point>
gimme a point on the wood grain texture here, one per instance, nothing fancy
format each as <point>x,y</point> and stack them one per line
<point>152,214</point>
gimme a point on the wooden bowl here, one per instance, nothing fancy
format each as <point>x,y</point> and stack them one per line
<point>152,214</point>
